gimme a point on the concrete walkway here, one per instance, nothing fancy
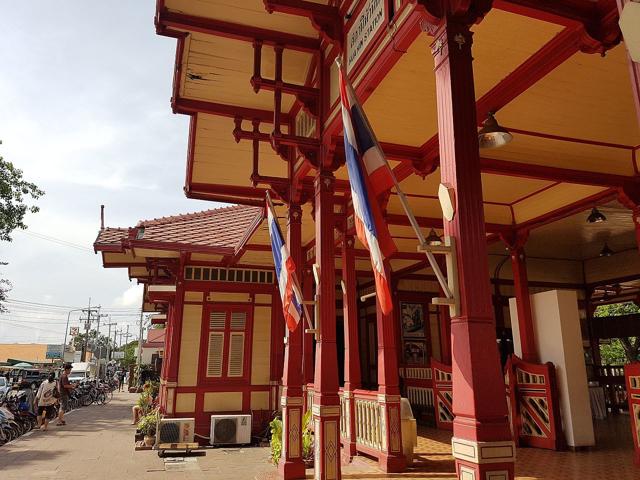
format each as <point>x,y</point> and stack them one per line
<point>97,443</point>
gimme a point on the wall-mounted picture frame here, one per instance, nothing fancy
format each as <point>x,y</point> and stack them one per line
<point>415,352</point>
<point>413,323</point>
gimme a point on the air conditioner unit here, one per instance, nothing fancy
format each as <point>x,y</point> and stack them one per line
<point>175,430</point>
<point>230,429</point>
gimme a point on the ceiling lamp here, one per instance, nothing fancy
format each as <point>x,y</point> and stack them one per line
<point>606,251</point>
<point>492,135</point>
<point>596,216</point>
<point>433,238</point>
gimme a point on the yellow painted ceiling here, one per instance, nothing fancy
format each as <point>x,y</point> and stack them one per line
<point>243,12</point>
<point>226,65</point>
<point>219,159</point>
<point>587,97</point>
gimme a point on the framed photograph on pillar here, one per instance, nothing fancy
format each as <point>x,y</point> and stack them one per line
<point>415,352</point>
<point>412,315</point>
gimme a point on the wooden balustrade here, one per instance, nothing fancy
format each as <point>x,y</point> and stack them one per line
<point>368,420</point>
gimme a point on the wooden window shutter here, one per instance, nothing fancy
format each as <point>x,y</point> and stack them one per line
<point>236,354</point>
<point>238,320</point>
<point>214,354</point>
<point>217,320</point>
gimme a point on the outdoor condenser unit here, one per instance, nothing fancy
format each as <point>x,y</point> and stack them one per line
<point>175,430</point>
<point>230,429</point>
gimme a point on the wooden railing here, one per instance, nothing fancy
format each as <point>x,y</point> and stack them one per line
<point>344,415</point>
<point>368,420</point>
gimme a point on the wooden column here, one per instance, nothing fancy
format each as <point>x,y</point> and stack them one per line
<point>326,403</point>
<point>481,444</point>
<point>392,458</point>
<point>307,343</point>
<point>172,356</point>
<point>515,243</point>
<point>352,372</point>
<point>291,464</point>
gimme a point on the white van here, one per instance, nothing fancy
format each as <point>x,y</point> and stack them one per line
<point>81,371</point>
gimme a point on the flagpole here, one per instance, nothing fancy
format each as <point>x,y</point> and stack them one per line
<point>296,290</point>
<point>403,199</point>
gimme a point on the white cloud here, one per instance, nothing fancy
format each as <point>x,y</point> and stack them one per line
<point>131,297</point>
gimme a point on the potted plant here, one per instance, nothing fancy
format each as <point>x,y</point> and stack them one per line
<point>147,425</point>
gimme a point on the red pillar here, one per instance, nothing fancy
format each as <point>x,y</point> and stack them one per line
<point>515,243</point>
<point>307,345</point>
<point>172,353</point>
<point>291,464</point>
<point>352,372</point>
<point>481,443</point>
<point>445,335</point>
<point>326,403</point>
<point>392,458</point>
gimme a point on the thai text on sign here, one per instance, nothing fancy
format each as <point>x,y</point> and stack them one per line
<point>365,26</point>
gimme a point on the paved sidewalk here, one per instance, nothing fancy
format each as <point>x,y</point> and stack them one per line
<point>97,443</point>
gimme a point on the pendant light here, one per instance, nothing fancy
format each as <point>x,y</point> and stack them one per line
<point>606,251</point>
<point>492,135</point>
<point>596,216</point>
<point>433,238</point>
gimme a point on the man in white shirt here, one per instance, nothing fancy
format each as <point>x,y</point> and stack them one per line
<point>46,399</point>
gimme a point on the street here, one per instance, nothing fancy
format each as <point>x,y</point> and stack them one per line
<point>97,443</point>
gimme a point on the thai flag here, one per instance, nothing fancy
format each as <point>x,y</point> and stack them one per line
<point>290,292</point>
<point>369,176</point>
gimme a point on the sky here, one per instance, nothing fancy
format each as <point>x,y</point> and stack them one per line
<point>85,87</point>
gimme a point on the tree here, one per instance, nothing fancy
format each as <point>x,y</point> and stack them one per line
<point>129,353</point>
<point>620,350</point>
<point>96,345</point>
<point>14,194</point>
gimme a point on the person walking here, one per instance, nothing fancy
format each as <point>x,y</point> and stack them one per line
<point>46,399</point>
<point>121,375</point>
<point>65,388</point>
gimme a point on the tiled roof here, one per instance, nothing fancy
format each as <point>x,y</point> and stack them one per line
<point>156,335</point>
<point>222,227</point>
<point>111,236</point>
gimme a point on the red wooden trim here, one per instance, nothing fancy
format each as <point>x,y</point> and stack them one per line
<point>543,172</point>
<point>569,210</point>
<point>191,150</point>
<point>188,106</point>
<point>225,380</point>
<point>169,19</point>
<point>563,138</point>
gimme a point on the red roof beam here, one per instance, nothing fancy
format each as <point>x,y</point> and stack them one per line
<point>168,19</point>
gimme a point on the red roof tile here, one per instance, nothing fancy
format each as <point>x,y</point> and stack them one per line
<point>220,228</point>
<point>111,236</point>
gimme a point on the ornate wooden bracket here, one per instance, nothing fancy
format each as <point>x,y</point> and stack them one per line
<point>462,11</point>
<point>325,19</point>
<point>514,239</point>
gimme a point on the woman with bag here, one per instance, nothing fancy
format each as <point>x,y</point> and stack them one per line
<point>46,399</point>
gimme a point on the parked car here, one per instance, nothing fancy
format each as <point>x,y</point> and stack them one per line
<point>31,376</point>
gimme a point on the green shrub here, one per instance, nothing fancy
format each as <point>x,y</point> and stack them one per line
<point>149,423</point>
<point>276,440</point>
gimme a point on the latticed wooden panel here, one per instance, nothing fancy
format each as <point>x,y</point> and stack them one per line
<point>217,320</point>
<point>214,354</point>
<point>236,354</point>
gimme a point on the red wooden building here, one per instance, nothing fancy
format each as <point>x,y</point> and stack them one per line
<point>259,81</point>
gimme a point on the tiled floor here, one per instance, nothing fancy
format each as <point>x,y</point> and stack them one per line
<point>610,460</point>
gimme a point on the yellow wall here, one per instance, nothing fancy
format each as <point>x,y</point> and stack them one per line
<point>190,346</point>
<point>193,296</point>
<point>259,400</point>
<point>261,346</point>
<point>34,352</point>
<point>223,401</point>
<point>185,402</point>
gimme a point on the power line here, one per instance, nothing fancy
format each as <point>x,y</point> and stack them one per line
<point>57,241</point>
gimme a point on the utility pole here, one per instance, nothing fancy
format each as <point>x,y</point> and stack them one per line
<point>109,339</point>
<point>139,363</point>
<point>86,332</point>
